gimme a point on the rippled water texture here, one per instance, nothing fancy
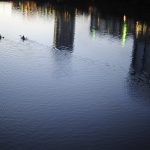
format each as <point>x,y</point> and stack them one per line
<point>80,81</point>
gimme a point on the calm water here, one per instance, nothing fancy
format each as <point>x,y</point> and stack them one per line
<point>81,81</point>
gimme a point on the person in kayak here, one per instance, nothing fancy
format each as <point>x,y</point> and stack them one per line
<point>23,38</point>
<point>1,37</point>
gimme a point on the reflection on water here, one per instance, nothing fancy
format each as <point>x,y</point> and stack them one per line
<point>63,20</point>
<point>139,74</point>
<point>64,29</point>
<point>75,83</point>
<point>141,52</point>
<point>30,8</point>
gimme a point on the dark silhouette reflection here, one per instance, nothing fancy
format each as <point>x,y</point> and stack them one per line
<point>140,67</point>
<point>33,8</point>
<point>64,26</point>
<point>64,29</point>
<point>120,27</point>
<point>139,74</point>
<point>101,23</point>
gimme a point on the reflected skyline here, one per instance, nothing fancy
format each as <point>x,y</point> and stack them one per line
<point>64,21</point>
<point>31,8</point>
<point>79,81</point>
<point>120,28</point>
<point>140,66</point>
<point>64,29</point>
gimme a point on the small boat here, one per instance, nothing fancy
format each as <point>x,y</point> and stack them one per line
<point>1,37</point>
<point>23,38</point>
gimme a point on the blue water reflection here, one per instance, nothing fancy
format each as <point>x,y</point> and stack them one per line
<point>81,81</point>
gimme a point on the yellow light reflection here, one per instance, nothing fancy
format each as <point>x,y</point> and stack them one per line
<point>124,18</point>
<point>93,33</point>
<point>124,34</point>
<point>138,29</point>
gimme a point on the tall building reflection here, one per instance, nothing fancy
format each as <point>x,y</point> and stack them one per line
<point>140,66</point>
<point>64,26</point>
<point>107,25</point>
<point>31,8</point>
<point>64,29</point>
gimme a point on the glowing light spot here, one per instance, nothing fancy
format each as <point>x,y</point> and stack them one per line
<point>124,18</point>
<point>124,34</point>
<point>138,29</point>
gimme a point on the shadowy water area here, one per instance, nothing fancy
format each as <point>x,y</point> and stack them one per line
<point>81,80</point>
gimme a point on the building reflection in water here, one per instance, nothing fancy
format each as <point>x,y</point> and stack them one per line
<point>104,25</point>
<point>140,67</point>
<point>138,81</point>
<point>64,26</point>
<point>116,27</point>
<point>64,29</point>
<point>31,8</point>
<point>63,41</point>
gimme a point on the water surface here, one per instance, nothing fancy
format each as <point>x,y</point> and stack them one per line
<point>80,81</point>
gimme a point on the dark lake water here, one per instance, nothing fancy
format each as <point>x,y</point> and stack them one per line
<point>80,81</point>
